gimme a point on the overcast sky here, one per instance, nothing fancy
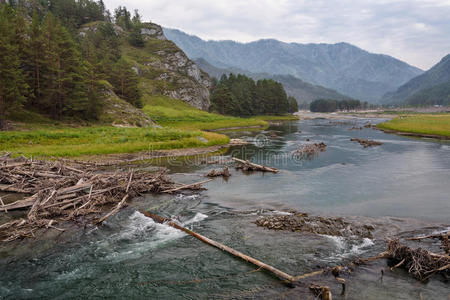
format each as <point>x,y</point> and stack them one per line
<point>416,31</point>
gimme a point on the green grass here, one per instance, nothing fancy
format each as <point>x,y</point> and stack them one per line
<point>71,142</point>
<point>178,114</point>
<point>433,124</point>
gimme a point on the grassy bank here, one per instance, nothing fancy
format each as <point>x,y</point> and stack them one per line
<point>426,124</point>
<point>71,142</point>
<point>175,113</point>
<point>183,127</point>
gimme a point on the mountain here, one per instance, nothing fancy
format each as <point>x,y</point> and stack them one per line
<point>343,67</point>
<point>436,95</point>
<point>438,74</point>
<point>303,91</point>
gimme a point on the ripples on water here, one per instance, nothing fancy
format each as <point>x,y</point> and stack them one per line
<point>133,257</point>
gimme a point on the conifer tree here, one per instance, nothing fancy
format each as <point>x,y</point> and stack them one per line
<point>125,82</point>
<point>12,84</point>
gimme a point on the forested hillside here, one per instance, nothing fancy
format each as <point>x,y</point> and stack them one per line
<point>303,91</point>
<point>75,59</point>
<point>242,96</point>
<point>425,89</point>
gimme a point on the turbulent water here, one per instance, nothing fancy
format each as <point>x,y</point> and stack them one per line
<point>400,187</point>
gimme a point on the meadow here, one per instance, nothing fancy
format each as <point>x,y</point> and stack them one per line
<point>429,124</point>
<point>80,141</point>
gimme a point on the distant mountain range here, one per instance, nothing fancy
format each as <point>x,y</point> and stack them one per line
<point>343,67</point>
<point>303,91</point>
<point>431,87</point>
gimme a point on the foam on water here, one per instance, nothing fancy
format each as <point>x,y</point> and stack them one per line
<point>140,235</point>
<point>346,248</point>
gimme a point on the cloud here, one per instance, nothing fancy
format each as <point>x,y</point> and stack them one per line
<point>416,31</point>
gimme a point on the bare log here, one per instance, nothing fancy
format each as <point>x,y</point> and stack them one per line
<point>12,189</point>
<point>113,212</point>
<point>208,241</point>
<point>19,204</point>
<point>186,186</point>
<point>431,236</point>
<point>246,165</point>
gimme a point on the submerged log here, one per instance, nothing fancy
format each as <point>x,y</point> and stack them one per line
<point>366,143</point>
<point>249,166</point>
<point>211,242</point>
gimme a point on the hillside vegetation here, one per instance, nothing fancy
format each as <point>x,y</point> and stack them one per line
<point>426,89</point>
<point>302,91</point>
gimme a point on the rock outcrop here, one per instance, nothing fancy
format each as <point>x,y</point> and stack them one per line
<point>183,78</point>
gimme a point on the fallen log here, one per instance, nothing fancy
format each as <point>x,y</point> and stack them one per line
<point>186,186</point>
<point>249,166</point>
<point>431,236</point>
<point>20,204</point>
<point>112,212</point>
<point>208,241</point>
<point>12,189</point>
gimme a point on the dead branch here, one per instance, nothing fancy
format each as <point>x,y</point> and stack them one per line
<point>249,166</point>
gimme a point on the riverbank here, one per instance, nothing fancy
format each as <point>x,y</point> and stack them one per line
<point>425,125</point>
<point>179,126</point>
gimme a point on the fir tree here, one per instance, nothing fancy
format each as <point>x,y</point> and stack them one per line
<point>12,84</point>
<point>125,82</point>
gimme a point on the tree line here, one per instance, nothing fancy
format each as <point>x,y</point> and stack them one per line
<point>239,95</point>
<point>330,105</point>
<point>52,66</point>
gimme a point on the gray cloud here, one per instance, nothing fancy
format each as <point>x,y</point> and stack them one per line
<point>416,31</point>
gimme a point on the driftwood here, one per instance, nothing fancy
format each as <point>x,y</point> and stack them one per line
<point>208,241</point>
<point>366,143</point>
<point>420,263</point>
<point>215,173</point>
<point>323,292</point>
<point>192,186</point>
<point>249,166</point>
<point>61,193</point>
<point>308,151</point>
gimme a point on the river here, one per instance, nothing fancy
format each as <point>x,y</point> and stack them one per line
<point>400,187</point>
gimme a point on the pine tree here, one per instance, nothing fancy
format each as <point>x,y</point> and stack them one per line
<point>64,89</point>
<point>35,59</point>
<point>293,105</point>
<point>125,82</point>
<point>12,84</point>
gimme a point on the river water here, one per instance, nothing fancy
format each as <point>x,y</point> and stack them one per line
<point>401,187</point>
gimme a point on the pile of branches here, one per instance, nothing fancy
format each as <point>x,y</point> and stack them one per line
<point>225,172</point>
<point>366,143</point>
<point>302,222</point>
<point>420,263</point>
<point>308,151</point>
<point>60,193</point>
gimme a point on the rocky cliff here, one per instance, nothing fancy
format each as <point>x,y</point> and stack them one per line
<point>179,77</point>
